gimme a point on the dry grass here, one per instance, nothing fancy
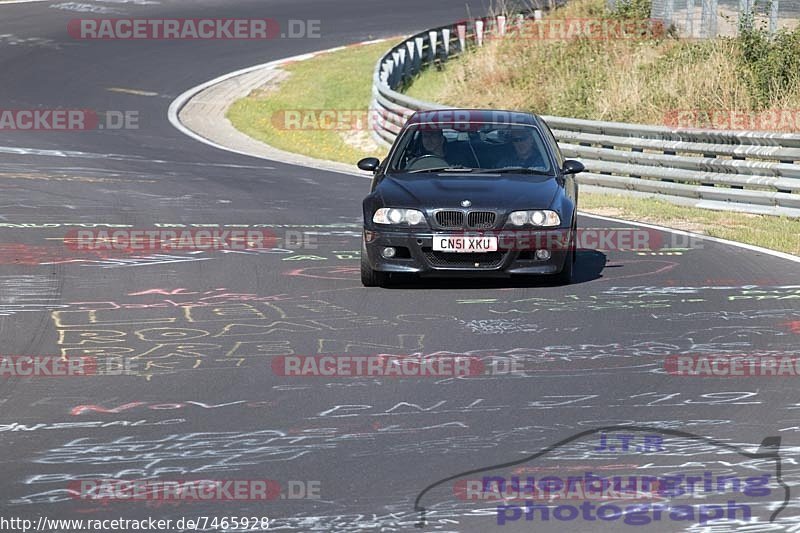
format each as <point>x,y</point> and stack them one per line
<point>642,80</point>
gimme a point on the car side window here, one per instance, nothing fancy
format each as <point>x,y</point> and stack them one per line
<point>556,150</point>
<point>401,151</point>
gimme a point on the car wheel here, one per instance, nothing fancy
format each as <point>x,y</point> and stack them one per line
<point>370,277</point>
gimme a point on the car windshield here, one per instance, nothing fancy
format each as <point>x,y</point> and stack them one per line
<point>467,147</point>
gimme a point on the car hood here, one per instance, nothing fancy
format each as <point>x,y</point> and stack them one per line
<point>489,191</point>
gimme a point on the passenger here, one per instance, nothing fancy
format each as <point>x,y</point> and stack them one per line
<point>526,153</point>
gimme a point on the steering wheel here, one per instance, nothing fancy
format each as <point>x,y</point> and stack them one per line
<point>426,161</point>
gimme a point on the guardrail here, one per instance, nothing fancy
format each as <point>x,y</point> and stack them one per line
<point>755,172</point>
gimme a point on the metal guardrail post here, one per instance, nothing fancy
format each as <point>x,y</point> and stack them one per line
<point>669,12</point>
<point>501,25</point>
<point>689,18</point>
<point>432,42</point>
<point>774,10</point>
<point>461,30</point>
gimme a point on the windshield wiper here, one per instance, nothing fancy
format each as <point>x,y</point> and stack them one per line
<point>442,169</point>
<point>518,170</point>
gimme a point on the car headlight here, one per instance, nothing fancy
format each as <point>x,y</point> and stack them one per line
<point>393,216</point>
<point>539,217</point>
<point>518,218</point>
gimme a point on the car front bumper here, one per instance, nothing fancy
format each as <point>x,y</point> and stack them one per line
<point>422,260</point>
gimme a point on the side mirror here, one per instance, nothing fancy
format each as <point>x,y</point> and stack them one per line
<point>369,164</point>
<point>572,167</point>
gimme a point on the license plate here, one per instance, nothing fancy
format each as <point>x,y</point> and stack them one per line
<point>469,245</point>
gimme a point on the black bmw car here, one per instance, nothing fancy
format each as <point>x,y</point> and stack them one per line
<point>470,193</point>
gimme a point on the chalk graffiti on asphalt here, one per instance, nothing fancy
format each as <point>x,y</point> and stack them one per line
<point>213,330</point>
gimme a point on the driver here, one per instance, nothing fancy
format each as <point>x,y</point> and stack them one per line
<point>433,142</point>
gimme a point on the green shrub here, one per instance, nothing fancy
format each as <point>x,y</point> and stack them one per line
<point>632,9</point>
<point>769,65</point>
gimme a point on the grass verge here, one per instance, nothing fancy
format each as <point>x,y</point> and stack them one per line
<point>775,233</point>
<point>290,116</point>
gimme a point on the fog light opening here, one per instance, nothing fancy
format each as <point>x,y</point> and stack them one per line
<point>388,252</point>
<point>543,255</point>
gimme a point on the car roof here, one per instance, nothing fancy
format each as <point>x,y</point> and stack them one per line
<point>473,115</point>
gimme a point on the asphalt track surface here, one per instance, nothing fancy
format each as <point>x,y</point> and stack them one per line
<point>201,329</point>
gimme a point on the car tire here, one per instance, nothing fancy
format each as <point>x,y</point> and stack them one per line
<point>565,276</point>
<point>369,276</point>
<point>567,271</point>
